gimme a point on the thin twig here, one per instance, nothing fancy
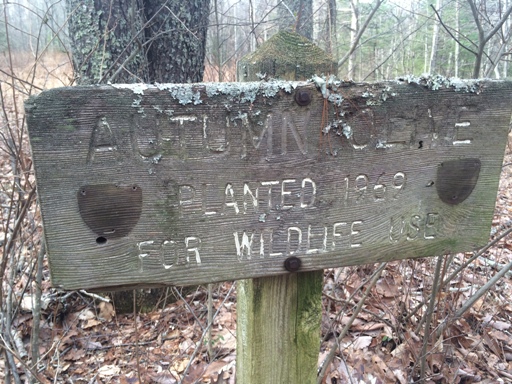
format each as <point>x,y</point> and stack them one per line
<point>450,33</point>
<point>9,244</point>
<point>359,34</point>
<point>459,269</point>
<point>9,361</point>
<point>428,317</point>
<point>210,322</point>
<point>12,354</point>
<point>497,266</point>
<point>335,345</point>
<point>137,357</point>
<point>36,307</point>
<point>200,342</point>
<point>95,296</point>
<point>181,22</point>
<point>348,302</point>
<point>177,292</point>
<point>472,300</point>
<point>129,45</point>
<point>21,81</point>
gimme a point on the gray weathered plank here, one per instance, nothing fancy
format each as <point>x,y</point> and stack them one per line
<point>235,178</point>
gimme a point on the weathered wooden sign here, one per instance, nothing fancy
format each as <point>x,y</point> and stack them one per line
<point>184,184</point>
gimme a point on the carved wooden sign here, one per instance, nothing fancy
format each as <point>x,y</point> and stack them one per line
<point>184,184</point>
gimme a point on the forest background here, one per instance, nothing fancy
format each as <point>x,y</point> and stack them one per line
<point>53,336</point>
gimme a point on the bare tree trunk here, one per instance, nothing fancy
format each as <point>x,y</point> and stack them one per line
<point>435,40</point>
<point>104,37</point>
<point>176,40</point>
<point>253,43</point>
<point>509,28</point>
<point>425,53</point>
<point>138,40</point>
<point>331,33</point>
<point>457,35</point>
<point>354,27</point>
<point>216,42</point>
<point>297,16</point>
<point>359,33</point>
<point>483,36</point>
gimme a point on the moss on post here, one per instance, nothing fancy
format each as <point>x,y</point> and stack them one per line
<point>278,328</point>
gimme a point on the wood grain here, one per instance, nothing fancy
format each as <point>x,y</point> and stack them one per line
<point>237,177</point>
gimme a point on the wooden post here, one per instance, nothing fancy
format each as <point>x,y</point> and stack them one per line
<point>279,317</point>
<point>278,328</point>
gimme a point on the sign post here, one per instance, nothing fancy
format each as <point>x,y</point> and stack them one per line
<point>281,315</point>
<point>185,184</point>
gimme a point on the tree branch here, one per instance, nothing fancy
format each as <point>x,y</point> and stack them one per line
<point>450,33</point>
<point>474,12</point>
<point>498,26</point>
<point>354,44</point>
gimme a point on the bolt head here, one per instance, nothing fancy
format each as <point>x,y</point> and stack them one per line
<point>292,264</point>
<point>302,97</point>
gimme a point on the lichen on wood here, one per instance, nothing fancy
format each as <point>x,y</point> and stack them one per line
<point>436,82</point>
<point>126,41</point>
<point>102,36</point>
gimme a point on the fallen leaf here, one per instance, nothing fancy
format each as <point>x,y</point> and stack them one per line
<point>26,303</point>
<point>108,370</point>
<point>180,365</point>
<point>107,311</point>
<point>128,380</point>
<point>86,314</point>
<point>93,345</point>
<point>90,323</point>
<point>499,325</point>
<point>400,376</point>
<point>367,327</point>
<point>214,368</point>
<point>75,354</point>
<point>163,378</point>
<point>362,342</point>
<point>492,344</point>
<point>387,287</point>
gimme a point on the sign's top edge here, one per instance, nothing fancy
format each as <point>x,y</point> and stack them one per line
<point>269,88</point>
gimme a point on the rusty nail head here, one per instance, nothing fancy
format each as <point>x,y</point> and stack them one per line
<point>302,98</point>
<point>292,264</point>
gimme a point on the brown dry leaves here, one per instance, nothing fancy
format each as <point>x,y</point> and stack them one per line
<point>385,342</point>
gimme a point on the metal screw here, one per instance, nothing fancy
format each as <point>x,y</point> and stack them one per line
<point>302,98</point>
<point>292,264</point>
